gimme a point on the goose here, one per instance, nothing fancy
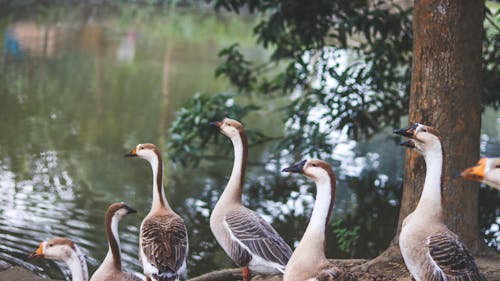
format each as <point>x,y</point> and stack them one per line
<point>163,243</point>
<point>486,171</point>
<point>111,268</point>
<point>63,249</point>
<point>430,250</point>
<point>308,261</point>
<point>250,241</point>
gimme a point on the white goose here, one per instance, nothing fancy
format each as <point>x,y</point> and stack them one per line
<point>486,171</point>
<point>111,267</point>
<point>250,241</point>
<point>308,261</point>
<point>430,250</point>
<point>65,250</point>
<point>163,243</point>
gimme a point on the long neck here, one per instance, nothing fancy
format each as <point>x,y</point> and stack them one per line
<point>430,200</point>
<point>314,236</point>
<point>234,186</point>
<point>113,257</point>
<point>159,199</point>
<point>78,266</point>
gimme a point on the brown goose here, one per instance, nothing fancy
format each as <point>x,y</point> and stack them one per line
<point>250,241</point>
<point>65,250</point>
<point>430,250</point>
<point>486,171</point>
<point>308,261</point>
<point>111,268</point>
<point>163,243</point>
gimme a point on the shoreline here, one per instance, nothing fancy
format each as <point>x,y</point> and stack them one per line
<point>17,273</point>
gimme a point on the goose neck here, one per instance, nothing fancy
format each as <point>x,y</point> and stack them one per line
<point>113,257</point>
<point>77,265</point>
<point>233,189</point>
<point>159,199</point>
<point>430,200</point>
<point>315,234</point>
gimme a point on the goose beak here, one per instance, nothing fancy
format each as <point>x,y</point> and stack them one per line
<point>132,153</point>
<point>407,132</point>
<point>130,210</point>
<point>475,173</point>
<point>38,253</point>
<point>297,168</point>
<point>216,123</point>
<point>408,143</point>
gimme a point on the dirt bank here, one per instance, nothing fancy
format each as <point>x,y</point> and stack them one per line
<point>490,266</point>
<point>389,271</point>
<point>16,273</point>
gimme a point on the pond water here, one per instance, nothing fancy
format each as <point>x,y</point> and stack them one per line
<point>81,87</point>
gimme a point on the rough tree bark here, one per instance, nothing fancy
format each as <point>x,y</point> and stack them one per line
<point>446,93</point>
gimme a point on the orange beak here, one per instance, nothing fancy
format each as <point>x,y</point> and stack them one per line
<point>38,252</point>
<point>132,153</point>
<point>475,173</point>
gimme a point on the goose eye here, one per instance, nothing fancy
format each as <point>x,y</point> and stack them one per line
<point>314,165</point>
<point>50,245</point>
<point>497,166</point>
<point>229,124</point>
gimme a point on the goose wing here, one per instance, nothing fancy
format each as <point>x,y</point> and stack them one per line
<point>257,236</point>
<point>450,260</point>
<point>164,243</point>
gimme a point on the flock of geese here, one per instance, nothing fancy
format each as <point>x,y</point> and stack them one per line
<point>430,250</point>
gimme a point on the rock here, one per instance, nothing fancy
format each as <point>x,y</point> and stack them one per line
<point>17,273</point>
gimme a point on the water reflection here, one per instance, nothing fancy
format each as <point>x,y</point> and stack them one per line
<point>78,92</point>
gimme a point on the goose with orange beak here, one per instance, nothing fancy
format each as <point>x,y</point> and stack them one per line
<point>63,249</point>
<point>430,250</point>
<point>163,241</point>
<point>486,171</point>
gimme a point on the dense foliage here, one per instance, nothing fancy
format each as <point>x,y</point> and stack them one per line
<point>345,64</point>
<point>342,65</point>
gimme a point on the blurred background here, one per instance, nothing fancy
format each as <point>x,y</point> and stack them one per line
<point>83,83</point>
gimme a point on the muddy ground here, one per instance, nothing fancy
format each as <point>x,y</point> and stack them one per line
<point>490,266</point>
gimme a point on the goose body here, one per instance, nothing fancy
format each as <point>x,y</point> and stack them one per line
<point>430,250</point>
<point>111,268</point>
<point>163,242</point>
<point>63,249</point>
<point>308,261</point>
<point>249,240</point>
<point>486,171</point>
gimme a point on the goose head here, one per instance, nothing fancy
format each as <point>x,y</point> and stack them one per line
<point>146,151</point>
<point>317,170</point>
<point>119,210</point>
<point>422,138</point>
<point>487,170</point>
<point>55,249</point>
<point>229,127</point>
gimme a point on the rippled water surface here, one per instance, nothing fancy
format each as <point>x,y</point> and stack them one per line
<point>78,89</point>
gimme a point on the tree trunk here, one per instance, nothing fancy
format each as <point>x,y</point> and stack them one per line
<point>446,94</point>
